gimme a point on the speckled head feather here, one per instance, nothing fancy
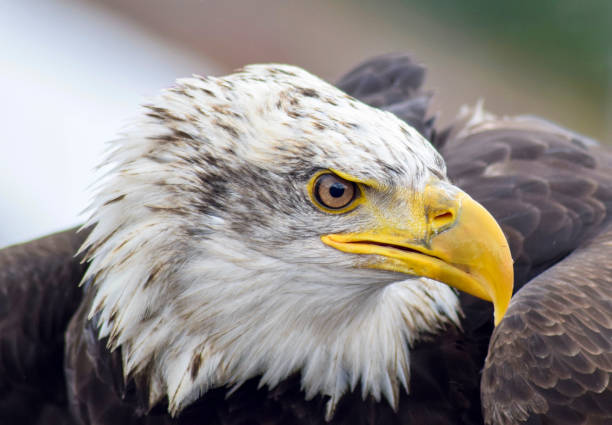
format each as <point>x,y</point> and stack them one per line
<point>206,258</point>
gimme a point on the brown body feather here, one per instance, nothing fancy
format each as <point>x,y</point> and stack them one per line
<point>549,361</point>
<point>38,294</point>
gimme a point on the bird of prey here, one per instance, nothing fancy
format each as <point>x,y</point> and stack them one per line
<point>266,248</point>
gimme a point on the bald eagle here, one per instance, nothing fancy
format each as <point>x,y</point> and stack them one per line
<point>268,249</point>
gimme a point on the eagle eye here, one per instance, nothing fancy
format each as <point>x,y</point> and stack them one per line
<point>333,192</point>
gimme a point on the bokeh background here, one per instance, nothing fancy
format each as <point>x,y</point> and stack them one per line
<point>73,72</point>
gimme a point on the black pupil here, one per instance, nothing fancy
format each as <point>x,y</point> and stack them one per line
<point>337,189</point>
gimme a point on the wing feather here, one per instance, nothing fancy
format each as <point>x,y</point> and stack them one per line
<point>556,345</point>
<point>548,361</point>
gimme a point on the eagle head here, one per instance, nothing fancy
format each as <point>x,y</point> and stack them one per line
<point>266,224</point>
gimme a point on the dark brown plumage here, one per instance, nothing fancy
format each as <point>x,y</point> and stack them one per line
<point>38,294</point>
<point>549,361</point>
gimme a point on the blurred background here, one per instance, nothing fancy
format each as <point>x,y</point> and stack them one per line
<point>73,72</point>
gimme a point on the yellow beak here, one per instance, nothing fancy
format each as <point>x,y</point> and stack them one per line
<point>453,240</point>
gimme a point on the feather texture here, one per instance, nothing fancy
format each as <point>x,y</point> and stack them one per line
<point>549,359</point>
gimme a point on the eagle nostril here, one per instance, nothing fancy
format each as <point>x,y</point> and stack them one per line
<point>442,220</point>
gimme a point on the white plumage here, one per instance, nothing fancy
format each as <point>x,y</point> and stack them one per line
<point>206,257</point>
